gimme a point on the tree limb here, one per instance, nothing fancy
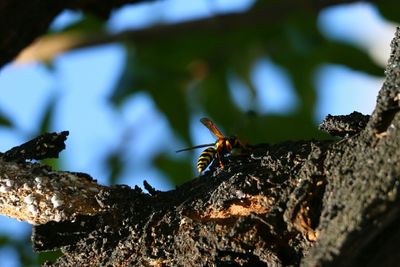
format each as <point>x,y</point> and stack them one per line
<point>360,205</point>
<point>307,203</point>
<point>34,193</point>
<point>48,145</point>
<point>21,22</point>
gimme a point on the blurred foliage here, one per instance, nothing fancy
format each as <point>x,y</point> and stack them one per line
<point>115,165</point>
<point>187,75</point>
<point>89,23</point>
<point>178,170</point>
<point>45,126</point>
<point>4,121</point>
<point>389,10</point>
<point>23,247</point>
<point>49,256</point>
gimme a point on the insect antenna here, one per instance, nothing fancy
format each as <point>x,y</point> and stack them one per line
<point>194,147</point>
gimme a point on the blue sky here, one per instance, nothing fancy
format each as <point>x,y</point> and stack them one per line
<point>82,80</point>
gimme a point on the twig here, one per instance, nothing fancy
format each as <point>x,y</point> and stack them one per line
<point>48,145</point>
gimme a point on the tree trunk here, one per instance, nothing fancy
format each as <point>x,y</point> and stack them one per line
<point>310,203</point>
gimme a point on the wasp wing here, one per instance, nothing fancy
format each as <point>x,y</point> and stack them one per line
<point>212,127</point>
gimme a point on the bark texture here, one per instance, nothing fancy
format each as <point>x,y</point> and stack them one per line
<point>308,203</point>
<point>326,203</point>
<point>34,193</point>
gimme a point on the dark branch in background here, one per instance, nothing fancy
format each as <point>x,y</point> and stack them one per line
<point>21,22</point>
<point>48,145</point>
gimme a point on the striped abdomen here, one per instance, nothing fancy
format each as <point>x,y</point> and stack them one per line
<point>205,158</point>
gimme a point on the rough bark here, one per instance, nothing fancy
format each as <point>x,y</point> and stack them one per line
<point>34,193</point>
<point>308,203</point>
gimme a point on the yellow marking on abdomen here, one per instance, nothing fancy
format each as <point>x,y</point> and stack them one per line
<point>205,158</point>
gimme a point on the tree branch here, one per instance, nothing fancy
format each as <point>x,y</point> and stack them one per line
<point>21,22</point>
<point>361,202</point>
<point>45,146</point>
<point>296,203</point>
<point>34,193</point>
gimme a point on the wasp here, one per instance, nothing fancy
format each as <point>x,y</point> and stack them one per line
<point>221,147</point>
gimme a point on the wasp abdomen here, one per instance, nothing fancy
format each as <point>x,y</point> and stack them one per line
<point>205,158</point>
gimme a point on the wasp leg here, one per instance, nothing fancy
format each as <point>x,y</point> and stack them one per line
<point>219,155</point>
